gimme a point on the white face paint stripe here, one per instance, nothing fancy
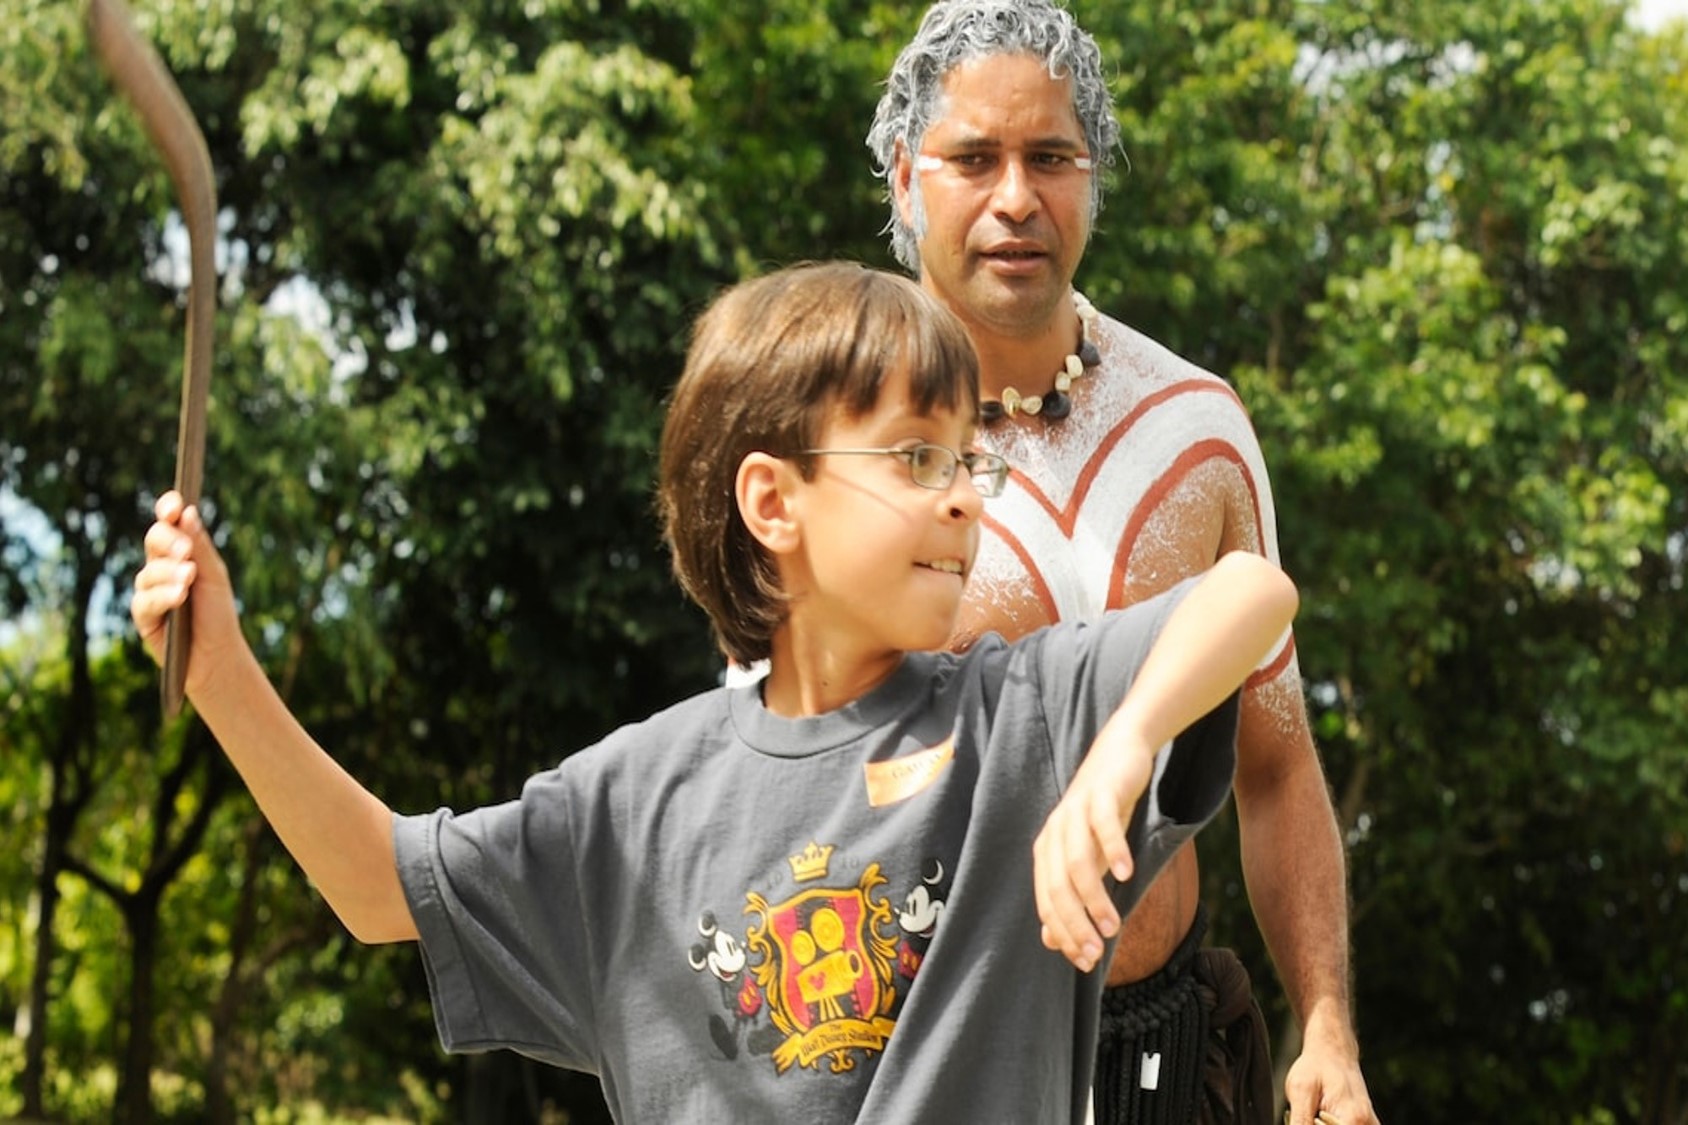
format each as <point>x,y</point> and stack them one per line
<point>926,162</point>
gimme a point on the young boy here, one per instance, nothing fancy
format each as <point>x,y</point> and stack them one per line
<point>798,900</point>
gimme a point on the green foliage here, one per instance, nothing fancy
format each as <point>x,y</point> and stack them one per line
<point>1208,234</point>
<point>1481,419</point>
<point>790,88</point>
<point>1439,248</point>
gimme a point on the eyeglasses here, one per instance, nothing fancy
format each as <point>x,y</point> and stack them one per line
<point>933,466</point>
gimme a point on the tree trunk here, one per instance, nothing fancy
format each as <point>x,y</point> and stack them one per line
<point>1662,1102</point>
<point>220,1106</point>
<point>34,1076</point>
<point>134,1083</point>
<point>140,909</point>
<point>72,785</point>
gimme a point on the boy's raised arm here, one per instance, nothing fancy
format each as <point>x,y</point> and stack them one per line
<point>339,832</point>
<point>1215,637</point>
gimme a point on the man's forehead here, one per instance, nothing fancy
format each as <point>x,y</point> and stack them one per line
<point>992,98</point>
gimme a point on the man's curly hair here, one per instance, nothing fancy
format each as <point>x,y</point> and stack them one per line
<point>957,31</point>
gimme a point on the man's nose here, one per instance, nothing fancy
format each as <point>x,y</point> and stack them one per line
<point>1013,196</point>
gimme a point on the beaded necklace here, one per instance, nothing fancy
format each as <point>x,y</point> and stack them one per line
<point>1056,404</point>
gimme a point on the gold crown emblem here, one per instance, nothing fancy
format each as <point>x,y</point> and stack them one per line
<point>811,862</point>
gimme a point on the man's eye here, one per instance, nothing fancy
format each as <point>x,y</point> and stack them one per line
<point>970,160</point>
<point>1051,159</point>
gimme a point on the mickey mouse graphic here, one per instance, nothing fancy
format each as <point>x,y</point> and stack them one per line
<point>812,983</point>
<point>722,956</point>
<point>918,918</point>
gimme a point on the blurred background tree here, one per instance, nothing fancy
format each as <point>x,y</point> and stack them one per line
<point>1440,252</point>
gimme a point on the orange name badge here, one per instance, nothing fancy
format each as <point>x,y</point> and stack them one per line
<point>901,778</point>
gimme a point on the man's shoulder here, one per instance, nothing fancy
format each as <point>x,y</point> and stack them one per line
<point>1139,374</point>
<point>1131,347</point>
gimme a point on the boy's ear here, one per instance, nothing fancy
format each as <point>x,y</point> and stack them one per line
<point>902,171</point>
<point>763,489</point>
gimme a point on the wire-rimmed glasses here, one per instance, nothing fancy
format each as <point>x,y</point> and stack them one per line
<point>934,466</point>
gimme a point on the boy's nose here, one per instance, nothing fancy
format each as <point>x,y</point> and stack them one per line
<point>963,497</point>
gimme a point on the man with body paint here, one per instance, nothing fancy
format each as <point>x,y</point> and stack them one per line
<point>1133,469</point>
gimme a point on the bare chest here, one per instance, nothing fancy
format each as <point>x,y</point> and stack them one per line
<point>1155,473</point>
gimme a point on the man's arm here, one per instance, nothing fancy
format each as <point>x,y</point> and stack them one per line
<point>335,828</point>
<point>1292,859</point>
<point>1294,868</point>
<point>1216,635</point>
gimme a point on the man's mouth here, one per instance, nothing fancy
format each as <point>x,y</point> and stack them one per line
<point>947,566</point>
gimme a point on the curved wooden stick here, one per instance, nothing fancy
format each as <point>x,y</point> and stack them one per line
<point>137,71</point>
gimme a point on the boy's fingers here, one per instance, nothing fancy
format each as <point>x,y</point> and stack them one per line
<point>1109,827</point>
<point>1071,869</point>
<point>170,567</point>
<point>1046,871</point>
<point>1099,911</point>
<point>164,540</point>
<point>204,547</point>
<point>1047,888</point>
<point>1117,853</point>
<point>163,582</point>
<point>160,587</point>
<point>1109,831</point>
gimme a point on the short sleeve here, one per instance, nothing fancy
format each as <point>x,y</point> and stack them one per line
<point>496,902</point>
<point>1085,669</point>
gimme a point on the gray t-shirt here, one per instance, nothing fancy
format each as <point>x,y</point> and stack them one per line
<point>731,916</point>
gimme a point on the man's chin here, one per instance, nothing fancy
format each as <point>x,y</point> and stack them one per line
<point>1016,299</point>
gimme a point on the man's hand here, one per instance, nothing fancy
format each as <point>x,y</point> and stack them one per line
<point>1083,840</point>
<point>1324,1086</point>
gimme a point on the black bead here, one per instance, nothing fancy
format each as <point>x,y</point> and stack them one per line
<point>1056,406</point>
<point>990,410</point>
<point>1088,355</point>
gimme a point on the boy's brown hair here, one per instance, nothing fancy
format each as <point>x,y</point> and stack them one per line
<point>768,362</point>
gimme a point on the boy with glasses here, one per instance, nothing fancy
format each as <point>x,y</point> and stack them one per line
<point>832,896</point>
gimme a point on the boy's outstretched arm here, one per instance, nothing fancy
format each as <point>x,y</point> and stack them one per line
<point>1215,637</point>
<point>335,828</point>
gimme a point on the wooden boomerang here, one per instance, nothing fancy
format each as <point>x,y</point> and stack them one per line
<point>136,70</point>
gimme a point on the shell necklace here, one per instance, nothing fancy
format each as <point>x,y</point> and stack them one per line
<point>1056,404</point>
